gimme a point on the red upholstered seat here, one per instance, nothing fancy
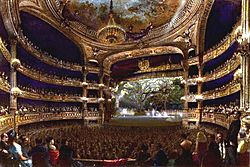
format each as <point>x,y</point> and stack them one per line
<point>116,162</point>
<point>244,159</point>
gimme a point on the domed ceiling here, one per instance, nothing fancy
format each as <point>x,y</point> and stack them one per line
<point>132,15</point>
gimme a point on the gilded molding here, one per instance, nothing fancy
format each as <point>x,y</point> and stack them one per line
<point>232,65</point>
<point>217,50</point>
<point>46,97</point>
<point>225,91</point>
<point>178,73</point>
<point>221,48</point>
<point>4,51</point>
<point>9,11</point>
<point>144,67</point>
<point>138,53</point>
<point>189,10</point>
<point>48,78</point>
<point>7,122</point>
<point>203,25</point>
<point>34,50</point>
<point>215,118</point>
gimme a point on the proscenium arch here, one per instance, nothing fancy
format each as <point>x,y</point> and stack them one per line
<point>138,53</point>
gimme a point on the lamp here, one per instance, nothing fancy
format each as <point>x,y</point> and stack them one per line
<point>111,33</point>
<point>101,99</point>
<point>198,98</point>
<point>15,91</point>
<point>16,63</point>
<point>238,74</point>
<point>84,99</point>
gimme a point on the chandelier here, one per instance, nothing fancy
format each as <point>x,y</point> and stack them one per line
<point>112,33</point>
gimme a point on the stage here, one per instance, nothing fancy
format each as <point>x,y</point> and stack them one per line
<point>149,121</point>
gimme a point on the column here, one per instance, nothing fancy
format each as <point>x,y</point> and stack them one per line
<point>185,77</point>
<point>199,92</point>
<point>186,89</point>
<point>109,100</point>
<point>245,92</point>
<point>13,82</point>
<point>242,82</point>
<point>244,40</point>
<point>84,95</point>
<point>101,97</point>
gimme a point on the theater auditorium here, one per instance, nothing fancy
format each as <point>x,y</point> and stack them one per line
<point>124,83</point>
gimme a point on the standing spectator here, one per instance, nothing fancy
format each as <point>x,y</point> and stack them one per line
<point>242,150</point>
<point>40,155</point>
<point>222,145</point>
<point>185,158</point>
<point>4,153</point>
<point>53,152</point>
<point>200,147</point>
<point>65,154</point>
<point>25,143</point>
<point>232,139</point>
<point>212,157</point>
<point>16,150</point>
<point>160,158</point>
<point>143,156</point>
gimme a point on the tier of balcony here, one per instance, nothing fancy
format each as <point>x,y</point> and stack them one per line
<point>46,57</point>
<point>217,50</point>
<point>223,70</point>
<point>230,88</point>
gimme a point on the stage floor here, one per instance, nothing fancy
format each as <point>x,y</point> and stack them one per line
<point>173,120</point>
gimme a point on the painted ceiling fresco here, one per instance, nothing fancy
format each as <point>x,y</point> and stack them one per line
<point>132,15</point>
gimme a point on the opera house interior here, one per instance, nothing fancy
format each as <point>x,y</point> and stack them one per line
<point>124,83</point>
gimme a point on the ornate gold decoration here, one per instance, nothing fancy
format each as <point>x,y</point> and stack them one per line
<point>144,67</point>
<point>112,33</point>
<point>169,74</point>
<point>15,91</point>
<point>232,65</point>
<point>16,63</point>
<point>228,90</point>
<point>138,53</point>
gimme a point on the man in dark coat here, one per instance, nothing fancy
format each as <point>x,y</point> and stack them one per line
<point>160,158</point>
<point>232,139</point>
<point>40,154</point>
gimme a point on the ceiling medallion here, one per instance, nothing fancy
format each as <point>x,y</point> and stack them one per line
<point>112,33</point>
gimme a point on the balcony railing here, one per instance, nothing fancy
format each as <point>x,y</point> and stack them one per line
<point>46,97</point>
<point>225,91</point>
<point>216,118</point>
<point>231,65</point>
<point>7,122</point>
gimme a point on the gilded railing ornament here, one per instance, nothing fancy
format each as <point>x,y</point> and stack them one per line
<point>144,66</point>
